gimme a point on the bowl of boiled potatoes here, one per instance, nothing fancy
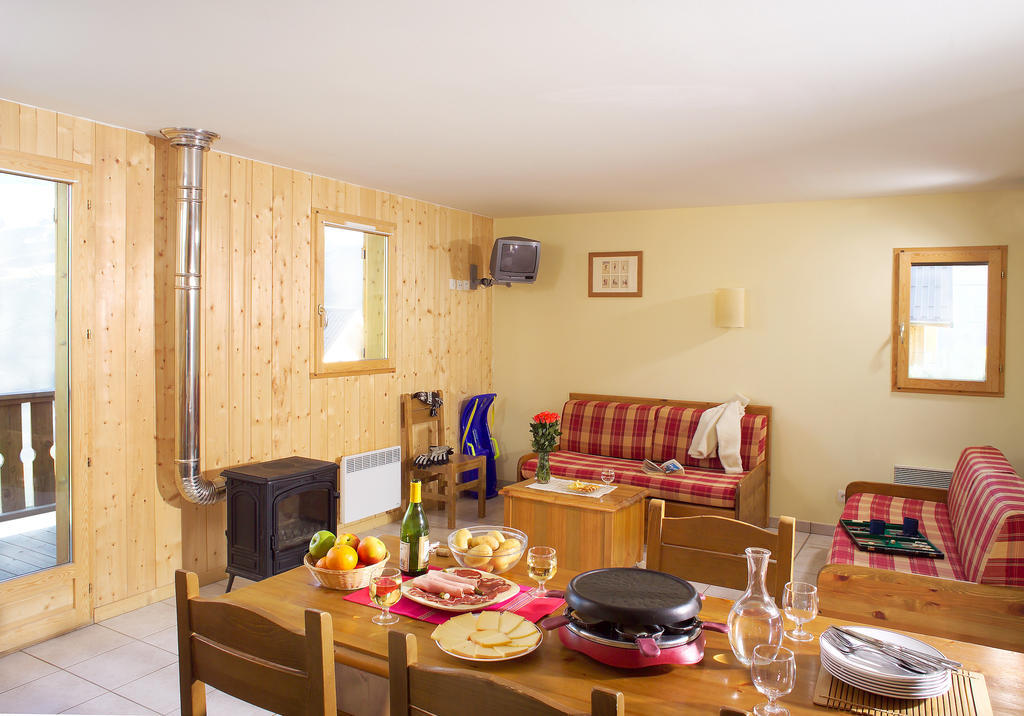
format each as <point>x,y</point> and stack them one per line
<point>489,549</point>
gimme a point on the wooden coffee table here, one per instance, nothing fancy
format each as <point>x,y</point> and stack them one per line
<point>588,532</point>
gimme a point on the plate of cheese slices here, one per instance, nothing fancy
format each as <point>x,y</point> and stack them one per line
<point>487,636</point>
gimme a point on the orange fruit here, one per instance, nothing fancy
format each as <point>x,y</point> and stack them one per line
<point>321,563</point>
<point>341,557</point>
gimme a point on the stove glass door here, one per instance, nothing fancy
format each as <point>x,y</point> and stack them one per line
<point>300,515</point>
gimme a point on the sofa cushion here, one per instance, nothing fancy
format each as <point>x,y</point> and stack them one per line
<point>600,427</point>
<point>974,462</point>
<point>675,426</point>
<point>933,523</point>
<point>990,530</point>
<point>698,487</point>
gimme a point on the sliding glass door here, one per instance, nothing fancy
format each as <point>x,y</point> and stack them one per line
<point>34,426</point>
<point>44,554</point>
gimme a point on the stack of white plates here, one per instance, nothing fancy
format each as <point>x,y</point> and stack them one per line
<point>879,674</point>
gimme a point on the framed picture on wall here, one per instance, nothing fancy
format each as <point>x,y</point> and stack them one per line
<point>616,273</point>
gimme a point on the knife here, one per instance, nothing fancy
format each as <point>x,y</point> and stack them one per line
<point>901,650</point>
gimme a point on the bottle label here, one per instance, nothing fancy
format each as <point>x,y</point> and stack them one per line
<point>418,550</point>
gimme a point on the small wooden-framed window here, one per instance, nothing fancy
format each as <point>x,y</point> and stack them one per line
<point>949,320</point>
<point>353,315</point>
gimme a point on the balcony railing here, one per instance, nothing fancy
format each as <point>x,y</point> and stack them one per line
<point>27,475</point>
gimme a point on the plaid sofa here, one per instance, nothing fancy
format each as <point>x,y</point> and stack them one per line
<point>619,434</point>
<point>978,523</point>
<point>980,527</point>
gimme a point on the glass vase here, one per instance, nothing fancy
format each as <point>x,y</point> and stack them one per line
<point>754,618</point>
<point>543,467</point>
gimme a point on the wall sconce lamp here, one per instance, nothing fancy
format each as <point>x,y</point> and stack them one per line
<point>730,307</point>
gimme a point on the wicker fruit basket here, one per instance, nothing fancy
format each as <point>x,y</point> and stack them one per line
<point>348,579</point>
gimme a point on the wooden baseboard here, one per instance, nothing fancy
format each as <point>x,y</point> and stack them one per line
<point>368,523</point>
<point>826,529</point>
<point>106,611</point>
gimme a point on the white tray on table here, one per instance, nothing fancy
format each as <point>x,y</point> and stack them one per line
<point>559,485</point>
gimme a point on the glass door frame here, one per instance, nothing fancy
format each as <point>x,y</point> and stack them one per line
<point>57,599</point>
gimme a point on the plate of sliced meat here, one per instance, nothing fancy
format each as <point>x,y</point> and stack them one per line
<point>459,589</point>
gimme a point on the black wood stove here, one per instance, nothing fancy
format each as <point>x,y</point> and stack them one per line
<point>274,508</point>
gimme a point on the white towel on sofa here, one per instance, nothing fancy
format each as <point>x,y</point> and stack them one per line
<point>718,432</point>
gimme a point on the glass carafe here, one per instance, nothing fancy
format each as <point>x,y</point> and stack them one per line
<point>754,619</point>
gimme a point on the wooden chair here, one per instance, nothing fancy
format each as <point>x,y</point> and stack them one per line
<point>445,478</point>
<point>250,656</point>
<point>457,692</point>
<point>709,549</point>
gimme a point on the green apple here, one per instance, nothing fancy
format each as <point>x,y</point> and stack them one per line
<point>320,544</point>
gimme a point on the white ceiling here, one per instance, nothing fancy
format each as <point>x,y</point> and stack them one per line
<point>538,107</point>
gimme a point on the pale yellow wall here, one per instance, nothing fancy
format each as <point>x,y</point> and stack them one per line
<point>816,347</point>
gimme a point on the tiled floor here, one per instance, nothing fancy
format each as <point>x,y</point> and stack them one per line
<point>128,664</point>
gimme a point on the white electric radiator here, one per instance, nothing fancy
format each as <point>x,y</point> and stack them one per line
<point>371,483</point>
<point>921,476</point>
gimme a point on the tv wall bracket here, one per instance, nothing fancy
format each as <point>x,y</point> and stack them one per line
<point>476,281</point>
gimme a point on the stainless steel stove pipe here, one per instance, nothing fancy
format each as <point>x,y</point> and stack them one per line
<point>190,145</point>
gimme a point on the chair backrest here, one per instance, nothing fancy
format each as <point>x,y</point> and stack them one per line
<point>709,549</point>
<point>245,653</point>
<point>457,692</point>
<point>415,418</point>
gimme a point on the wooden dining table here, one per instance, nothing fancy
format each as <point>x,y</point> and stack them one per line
<point>568,676</point>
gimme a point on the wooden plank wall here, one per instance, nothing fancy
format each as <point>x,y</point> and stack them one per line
<point>136,535</point>
<point>258,401</point>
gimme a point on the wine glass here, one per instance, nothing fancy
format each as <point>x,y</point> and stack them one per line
<point>773,671</point>
<point>385,591</point>
<point>607,477</point>
<point>541,565</point>
<point>800,603</point>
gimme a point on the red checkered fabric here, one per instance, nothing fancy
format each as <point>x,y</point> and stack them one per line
<point>675,426</point>
<point>933,523</point>
<point>699,487</point>
<point>986,509</point>
<point>1005,563</point>
<point>973,463</point>
<point>992,536</point>
<point>600,427</point>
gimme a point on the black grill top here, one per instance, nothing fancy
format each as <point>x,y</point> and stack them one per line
<point>628,595</point>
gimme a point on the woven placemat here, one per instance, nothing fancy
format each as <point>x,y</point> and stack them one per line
<point>968,696</point>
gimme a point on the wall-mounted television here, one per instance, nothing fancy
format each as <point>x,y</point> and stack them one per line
<point>515,259</point>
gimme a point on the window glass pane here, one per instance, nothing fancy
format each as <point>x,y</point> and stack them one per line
<point>355,295</point>
<point>948,322</point>
<point>343,294</point>
<point>27,285</point>
<point>376,296</point>
<point>34,437</point>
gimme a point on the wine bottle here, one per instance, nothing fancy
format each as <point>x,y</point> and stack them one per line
<point>414,545</point>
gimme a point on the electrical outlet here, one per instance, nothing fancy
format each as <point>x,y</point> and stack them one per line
<point>462,285</point>
<point>841,496</point>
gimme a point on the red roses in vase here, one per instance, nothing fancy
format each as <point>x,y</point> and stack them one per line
<point>545,431</point>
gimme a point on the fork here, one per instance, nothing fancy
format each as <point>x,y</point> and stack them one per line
<point>844,645</point>
<point>520,601</point>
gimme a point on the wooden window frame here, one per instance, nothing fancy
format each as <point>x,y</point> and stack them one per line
<point>995,357</point>
<point>322,217</point>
